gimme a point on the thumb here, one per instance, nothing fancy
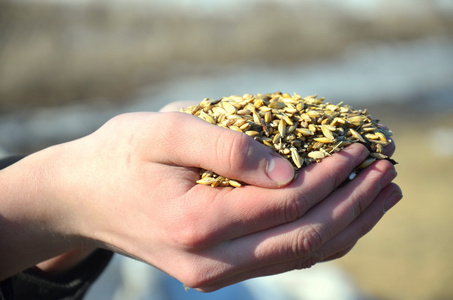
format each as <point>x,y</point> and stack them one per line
<point>196,143</point>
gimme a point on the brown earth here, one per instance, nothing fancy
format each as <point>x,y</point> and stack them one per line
<point>409,254</point>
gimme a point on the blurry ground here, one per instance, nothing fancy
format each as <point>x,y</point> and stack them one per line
<point>61,63</point>
<point>409,254</point>
<point>52,54</point>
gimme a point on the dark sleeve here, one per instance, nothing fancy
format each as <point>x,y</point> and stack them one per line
<point>6,290</point>
<point>33,284</point>
<point>9,160</point>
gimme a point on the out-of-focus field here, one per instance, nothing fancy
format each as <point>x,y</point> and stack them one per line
<point>409,255</point>
<point>56,53</point>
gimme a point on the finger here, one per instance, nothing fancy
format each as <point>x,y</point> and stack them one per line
<point>238,212</point>
<point>184,140</point>
<point>299,244</point>
<point>390,148</point>
<point>323,222</point>
<point>388,197</point>
<point>339,254</point>
<point>268,270</point>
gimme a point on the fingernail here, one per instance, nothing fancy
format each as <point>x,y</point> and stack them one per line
<point>279,170</point>
<point>392,200</point>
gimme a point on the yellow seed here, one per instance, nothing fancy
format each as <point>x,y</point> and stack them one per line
<point>229,108</point>
<point>366,162</point>
<point>234,183</point>
<point>207,117</point>
<point>313,114</point>
<point>268,143</point>
<point>258,103</point>
<point>316,154</point>
<point>206,180</point>
<point>324,140</point>
<point>300,106</point>
<point>256,117</point>
<point>240,122</point>
<point>245,126</point>
<point>327,133</point>
<point>235,128</point>
<point>338,121</point>
<point>282,128</point>
<point>206,102</point>
<point>305,117</point>
<point>379,142</point>
<point>291,128</point>
<point>305,131</point>
<point>371,136</point>
<point>295,157</point>
<point>206,174</point>
<point>268,116</point>
<point>331,107</point>
<point>378,155</point>
<point>252,133</point>
<point>286,119</point>
<point>356,120</point>
<point>277,105</point>
<point>381,136</point>
<point>243,112</point>
<point>277,138</point>
<point>218,111</point>
<point>356,135</point>
<point>290,108</point>
<point>379,148</point>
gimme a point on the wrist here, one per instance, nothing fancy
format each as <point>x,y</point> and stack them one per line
<point>32,224</point>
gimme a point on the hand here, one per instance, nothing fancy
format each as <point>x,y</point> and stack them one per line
<point>130,187</point>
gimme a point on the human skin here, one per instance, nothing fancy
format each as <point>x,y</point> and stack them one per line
<point>130,187</point>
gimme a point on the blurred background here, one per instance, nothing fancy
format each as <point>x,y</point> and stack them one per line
<point>66,67</point>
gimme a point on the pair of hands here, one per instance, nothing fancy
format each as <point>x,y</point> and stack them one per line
<point>130,187</point>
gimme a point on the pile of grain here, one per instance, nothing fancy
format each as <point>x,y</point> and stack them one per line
<point>302,129</point>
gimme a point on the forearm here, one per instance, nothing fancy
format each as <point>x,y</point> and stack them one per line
<point>30,231</point>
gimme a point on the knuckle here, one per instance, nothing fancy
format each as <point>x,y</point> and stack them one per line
<point>194,278</point>
<point>360,202</point>
<point>358,209</point>
<point>187,238</point>
<point>294,208</point>
<point>166,125</point>
<point>338,178</point>
<point>309,239</point>
<point>170,123</point>
<point>308,262</point>
<point>233,147</point>
<point>199,276</point>
<point>190,237</point>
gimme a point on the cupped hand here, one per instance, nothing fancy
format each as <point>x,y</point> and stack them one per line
<point>130,187</point>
